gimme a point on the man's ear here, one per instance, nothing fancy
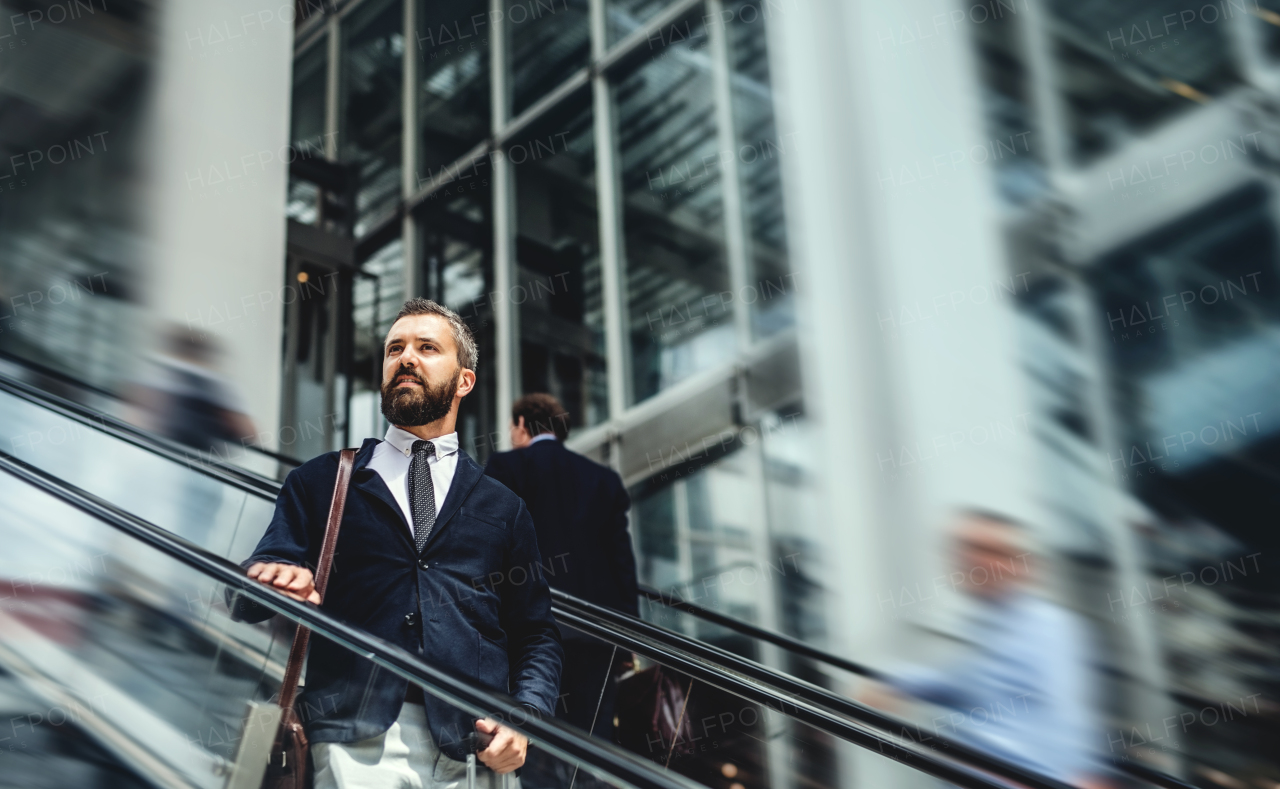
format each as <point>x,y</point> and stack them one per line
<point>466,382</point>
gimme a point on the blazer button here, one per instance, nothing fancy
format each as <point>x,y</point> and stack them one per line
<point>411,619</point>
<point>423,564</point>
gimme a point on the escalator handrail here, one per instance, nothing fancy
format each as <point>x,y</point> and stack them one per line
<point>785,684</point>
<point>802,710</point>
<point>226,473</point>
<point>747,629</point>
<point>71,381</point>
<point>1134,768</point>
<point>558,737</point>
<point>268,488</point>
<point>561,739</point>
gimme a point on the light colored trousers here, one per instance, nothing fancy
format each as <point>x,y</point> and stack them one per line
<point>403,757</point>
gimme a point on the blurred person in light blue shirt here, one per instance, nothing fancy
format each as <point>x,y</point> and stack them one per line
<point>1025,691</point>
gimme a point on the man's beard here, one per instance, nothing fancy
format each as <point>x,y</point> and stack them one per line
<point>413,407</point>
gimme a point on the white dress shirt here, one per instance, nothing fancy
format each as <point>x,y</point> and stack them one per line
<point>542,437</point>
<point>392,457</point>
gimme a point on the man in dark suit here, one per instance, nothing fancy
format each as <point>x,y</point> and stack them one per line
<point>414,574</point>
<point>579,511</point>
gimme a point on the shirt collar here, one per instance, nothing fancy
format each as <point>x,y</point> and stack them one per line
<point>403,440</point>
<point>542,437</point>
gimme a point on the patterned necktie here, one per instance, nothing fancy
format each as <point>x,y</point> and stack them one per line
<point>422,493</point>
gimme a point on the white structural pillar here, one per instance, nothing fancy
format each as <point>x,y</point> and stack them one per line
<point>908,351</point>
<point>506,315</point>
<point>609,206</point>
<point>219,131</point>
<point>410,237</point>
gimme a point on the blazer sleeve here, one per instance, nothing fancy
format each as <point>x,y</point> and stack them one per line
<point>287,540</point>
<point>533,638</point>
<point>621,556</point>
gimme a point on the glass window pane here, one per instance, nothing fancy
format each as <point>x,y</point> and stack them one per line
<point>550,40</point>
<point>310,74</point>
<point>1123,69</point>
<point>453,80</point>
<point>558,254</point>
<point>673,215</point>
<point>376,298</point>
<point>457,245</point>
<point>759,171</point>
<point>373,69</point>
<point>627,15</point>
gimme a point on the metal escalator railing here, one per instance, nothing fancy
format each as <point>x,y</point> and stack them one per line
<point>202,462</point>
<point>829,712</point>
<point>817,706</point>
<point>557,737</point>
<point>797,647</point>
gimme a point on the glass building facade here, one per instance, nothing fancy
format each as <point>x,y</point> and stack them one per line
<point>810,276</point>
<point>599,186</point>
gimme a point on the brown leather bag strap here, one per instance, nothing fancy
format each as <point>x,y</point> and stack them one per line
<point>293,669</point>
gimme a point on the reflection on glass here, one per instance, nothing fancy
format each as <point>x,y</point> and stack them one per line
<point>1016,145</point>
<point>771,294</point>
<point>561,313</point>
<point>172,495</point>
<point>550,40</point>
<point>1125,66</point>
<point>1268,22</point>
<point>307,129</point>
<point>1191,315</point>
<point>376,300</point>
<point>627,15</point>
<point>130,644</point>
<point>700,534</point>
<point>680,322</point>
<point>374,55</point>
<point>121,666</point>
<point>457,237</point>
<point>79,229</point>
<point>453,79</point>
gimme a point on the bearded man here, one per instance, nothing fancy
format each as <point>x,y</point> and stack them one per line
<point>425,549</point>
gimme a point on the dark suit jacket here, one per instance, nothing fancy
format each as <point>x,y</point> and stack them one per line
<point>468,617</point>
<point>579,510</point>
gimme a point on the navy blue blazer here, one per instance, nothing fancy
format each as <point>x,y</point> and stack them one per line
<point>579,510</point>
<point>456,604</point>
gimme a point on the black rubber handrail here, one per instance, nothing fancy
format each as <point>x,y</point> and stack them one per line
<point>269,489</point>
<point>1134,768</point>
<point>747,629</point>
<point>839,707</point>
<point>558,737</point>
<point>561,739</point>
<point>73,382</point>
<point>225,473</point>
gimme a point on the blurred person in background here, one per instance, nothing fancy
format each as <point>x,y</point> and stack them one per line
<point>1025,693</point>
<point>579,511</point>
<point>185,398</point>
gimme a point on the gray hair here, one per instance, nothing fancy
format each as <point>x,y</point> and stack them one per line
<point>468,354</point>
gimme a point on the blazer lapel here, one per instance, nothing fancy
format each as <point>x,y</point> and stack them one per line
<point>465,477</point>
<point>369,482</point>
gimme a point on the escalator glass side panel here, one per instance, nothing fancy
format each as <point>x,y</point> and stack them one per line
<point>120,661</point>
<point>174,496</point>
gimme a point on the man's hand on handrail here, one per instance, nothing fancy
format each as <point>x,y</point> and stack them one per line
<point>296,582</point>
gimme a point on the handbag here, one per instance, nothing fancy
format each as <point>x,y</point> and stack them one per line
<point>652,721</point>
<point>287,767</point>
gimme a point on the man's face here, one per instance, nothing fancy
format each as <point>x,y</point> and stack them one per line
<point>421,379</point>
<point>991,557</point>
